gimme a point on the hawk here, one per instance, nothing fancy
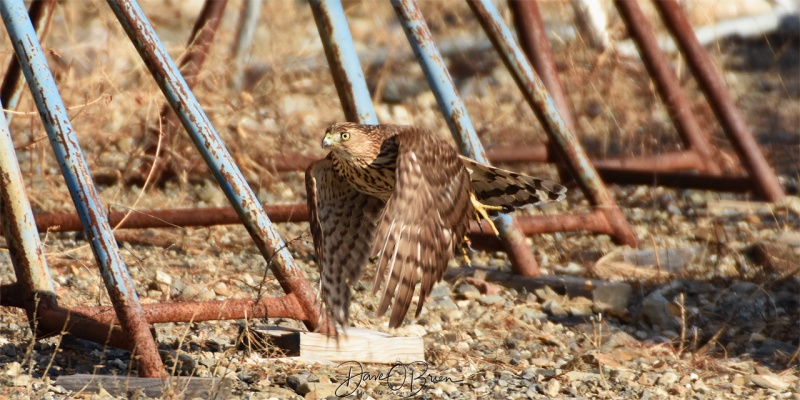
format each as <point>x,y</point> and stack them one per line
<point>404,194</point>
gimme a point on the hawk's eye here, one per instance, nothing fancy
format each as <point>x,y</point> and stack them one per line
<point>345,136</point>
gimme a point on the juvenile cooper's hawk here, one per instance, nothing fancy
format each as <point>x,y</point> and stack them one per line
<point>403,193</point>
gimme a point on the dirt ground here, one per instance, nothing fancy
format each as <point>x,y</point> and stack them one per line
<point>719,320</point>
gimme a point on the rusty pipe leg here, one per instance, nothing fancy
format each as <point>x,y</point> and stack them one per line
<point>218,158</point>
<point>669,88</point>
<point>190,65</point>
<point>76,173</point>
<point>533,39</point>
<point>40,13</point>
<point>544,107</point>
<point>764,180</point>
<point>457,117</point>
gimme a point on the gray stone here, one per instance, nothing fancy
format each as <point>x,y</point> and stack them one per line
<point>441,291</point>
<point>296,380</point>
<point>656,310</point>
<point>444,303</point>
<point>321,390</point>
<point>555,309</point>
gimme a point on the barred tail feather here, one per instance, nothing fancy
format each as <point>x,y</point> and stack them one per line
<point>510,190</point>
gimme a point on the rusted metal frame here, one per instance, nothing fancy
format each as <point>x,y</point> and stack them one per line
<point>343,61</point>
<point>530,225</point>
<point>248,21</point>
<point>764,179</point>
<point>667,84</point>
<point>171,218</point>
<point>73,166</point>
<point>40,13</point>
<point>197,311</point>
<point>670,161</point>
<point>555,126</point>
<point>19,229</point>
<point>102,319</point>
<point>219,160</point>
<point>440,81</point>
<point>190,64</point>
<point>533,39</point>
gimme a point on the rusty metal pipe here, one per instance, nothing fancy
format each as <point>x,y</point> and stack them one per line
<point>190,63</point>
<point>197,311</point>
<point>763,177</point>
<point>217,157</point>
<point>170,218</point>
<point>676,101</point>
<point>40,13</point>
<point>544,107</point>
<point>72,163</point>
<point>66,222</point>
<point>533,39</point>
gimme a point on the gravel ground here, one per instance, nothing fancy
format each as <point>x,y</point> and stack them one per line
<point>717,320</point>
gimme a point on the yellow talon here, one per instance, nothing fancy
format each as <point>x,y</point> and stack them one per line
<point>464,250</point>
<point>480,211</point>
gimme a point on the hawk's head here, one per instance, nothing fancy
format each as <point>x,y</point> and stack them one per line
<point>349,140</point>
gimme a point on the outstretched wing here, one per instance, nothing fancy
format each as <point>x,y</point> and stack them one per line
<point>343,223</point>
<point>426,217</point>
<point>510,190</point>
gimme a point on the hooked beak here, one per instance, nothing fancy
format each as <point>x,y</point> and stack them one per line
<point>326,141</point>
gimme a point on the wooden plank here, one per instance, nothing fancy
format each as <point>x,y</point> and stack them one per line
<point>357,344</point>
<point>174,387</point>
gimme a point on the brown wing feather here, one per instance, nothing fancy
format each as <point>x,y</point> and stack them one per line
<point>498,187</point>
<point>423,222</point>
<point>343,223</point>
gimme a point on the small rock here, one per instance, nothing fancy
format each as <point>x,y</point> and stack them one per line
<point>319,390</point>
<point>546,293</point>
<point>296,380</point>
<point>769,382</point>
<point>221,289</point>
<point>21,380</point>
<point>222,372</point>
<point>667,379</point>
<point>572,268</point>
<point>465,291</point>
<point>552,388</point>
<point>12,369</point>
<point>195,292</point>
<point>444,303</point>
<point>184,362</point>
<point>488,300</point>
<point>581,376</point>
<point>440,291</point>
<point>553,308</point>
<point>657,311</point>
<point>580,307</point>
<point>446,387</point>
<point>163,278</point>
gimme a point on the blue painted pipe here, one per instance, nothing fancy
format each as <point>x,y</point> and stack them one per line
<point>343,61</point>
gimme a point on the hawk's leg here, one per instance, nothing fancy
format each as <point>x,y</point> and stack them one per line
<point>481,212</point>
